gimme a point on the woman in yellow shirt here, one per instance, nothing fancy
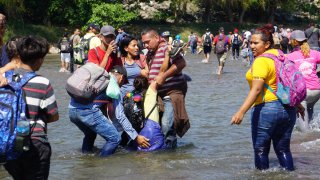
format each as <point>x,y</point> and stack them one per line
<point>270,120</point>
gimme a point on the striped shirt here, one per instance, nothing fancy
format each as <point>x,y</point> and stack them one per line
<point>41,104</point>
<point>155,65</point>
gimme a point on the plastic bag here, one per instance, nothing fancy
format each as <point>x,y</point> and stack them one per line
<point>113,89</point>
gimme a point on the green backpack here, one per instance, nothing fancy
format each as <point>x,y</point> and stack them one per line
<point>80,51</point>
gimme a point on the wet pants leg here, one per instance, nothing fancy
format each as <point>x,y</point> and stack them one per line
<point>272,122</point>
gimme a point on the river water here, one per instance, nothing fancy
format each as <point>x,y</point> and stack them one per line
<point>211,149</point>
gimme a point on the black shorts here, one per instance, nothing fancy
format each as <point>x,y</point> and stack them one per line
<point>32,164</point>
<point>207,49</point>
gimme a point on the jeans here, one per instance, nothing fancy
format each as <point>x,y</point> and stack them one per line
<point>167,124</point>
<point>272,121</point>
<point>235,51</point>
<point>193,49</point>
<point>92,122</point>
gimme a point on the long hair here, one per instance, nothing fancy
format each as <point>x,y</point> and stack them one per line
<point>304,47</point>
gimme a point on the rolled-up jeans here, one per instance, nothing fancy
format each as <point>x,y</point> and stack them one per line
<point>92,122</point>
<point>272,121</point>
<point>167,126</point>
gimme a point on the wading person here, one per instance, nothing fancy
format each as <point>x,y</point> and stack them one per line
<point>41,108</point>
<point>270,119</point>
<point>172,86</point>
<point>91,120</point>
<point>306,61</point>
<point>134,62</point>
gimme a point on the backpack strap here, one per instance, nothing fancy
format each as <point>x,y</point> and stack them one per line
<point>314,30</point>
<point>16,82</point>
<point>151,110</point>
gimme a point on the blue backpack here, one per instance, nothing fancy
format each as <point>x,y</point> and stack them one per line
<point>12,105</point>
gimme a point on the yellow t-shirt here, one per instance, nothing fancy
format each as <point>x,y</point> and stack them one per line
<point>264,68</point>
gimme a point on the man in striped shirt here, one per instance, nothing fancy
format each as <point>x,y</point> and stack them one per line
<point>172,85</point>
<point>41,109</point>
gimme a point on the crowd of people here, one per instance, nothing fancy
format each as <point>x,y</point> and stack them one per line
<point>149,111</point>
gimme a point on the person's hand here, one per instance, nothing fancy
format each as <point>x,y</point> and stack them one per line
<point>144,72</point>
<point>3,81</point>
<point>300,110</point>
<point>142,141</point>
<point>237,118</point>
<point>112,47</point>
<point>160,79</point>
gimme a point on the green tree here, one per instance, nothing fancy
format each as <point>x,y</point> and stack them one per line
<point>112,14</point>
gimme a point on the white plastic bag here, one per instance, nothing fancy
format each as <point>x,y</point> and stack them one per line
<point>113,89</point>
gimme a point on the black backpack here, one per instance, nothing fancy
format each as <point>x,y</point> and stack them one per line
<point>236,40</point>
<point>207,40</point>
<point>133,109</point>
<point>65,45</point>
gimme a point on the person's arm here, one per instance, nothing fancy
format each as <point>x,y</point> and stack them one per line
<point>110,49</point>
<point>144,66</point>
<point>10,66</point>
<point>53,118</point>
<point>175,68</point>
<point>51,107</point>
<point>256,89</point>
<point>126,125</point>
<point>165,63</point>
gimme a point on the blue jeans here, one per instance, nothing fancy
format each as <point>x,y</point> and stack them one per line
<point>92,122</point>
<point>193,49</point>
<point>272,121</point>
<point>167,124</point>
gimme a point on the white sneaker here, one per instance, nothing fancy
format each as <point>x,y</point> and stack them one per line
<point>204,61</point>
<point>61,70</point>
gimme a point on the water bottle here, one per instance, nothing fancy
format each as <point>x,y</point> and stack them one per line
<point>23,131</point>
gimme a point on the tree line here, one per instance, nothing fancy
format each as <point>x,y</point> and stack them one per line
<point>77,13</point>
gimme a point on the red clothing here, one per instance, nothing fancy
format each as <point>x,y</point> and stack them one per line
<point>112,60</point>
<point>226,38</point>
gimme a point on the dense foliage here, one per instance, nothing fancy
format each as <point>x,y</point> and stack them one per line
<point>51,18</point>
<point>78,13</point>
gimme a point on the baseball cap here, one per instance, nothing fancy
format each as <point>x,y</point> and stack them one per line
<point>121,70</point>
<point>107,30</point>
<point>298,35</point>
<point>165,33</point>
<point>94,26</point>
<point>221,29</point>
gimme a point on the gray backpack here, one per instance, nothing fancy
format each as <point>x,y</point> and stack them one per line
<point>87,82</point>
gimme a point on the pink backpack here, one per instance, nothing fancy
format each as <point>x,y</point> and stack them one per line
<point>291,86</point>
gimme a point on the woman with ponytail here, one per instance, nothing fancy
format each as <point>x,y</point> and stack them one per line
<point>270,120</point>
<point>306,61</point>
